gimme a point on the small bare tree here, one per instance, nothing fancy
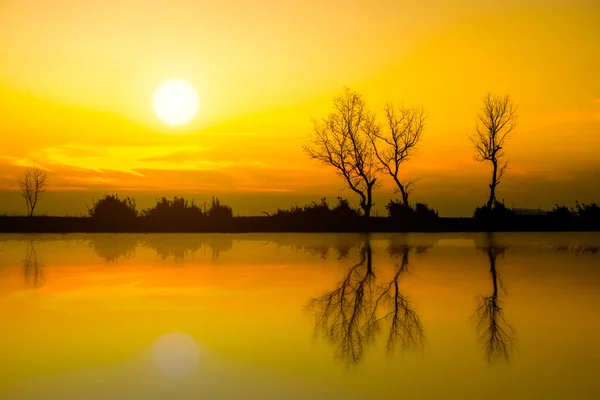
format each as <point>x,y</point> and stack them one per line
<point>33,183</point>
<point>341,140</point>
<point>496,120</point>
<point>396,144</point>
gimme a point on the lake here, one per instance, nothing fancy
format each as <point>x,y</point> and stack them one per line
<point>300,316</point>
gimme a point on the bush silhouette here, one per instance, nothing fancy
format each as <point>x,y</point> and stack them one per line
<point>112,208</point>
<point>320,211</point>
<point>498,212</point>
<point>421,212</point>
<point>178,208</point>
<point>219,210</point>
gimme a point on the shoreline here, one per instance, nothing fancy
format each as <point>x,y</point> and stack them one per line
<point>265,224</point>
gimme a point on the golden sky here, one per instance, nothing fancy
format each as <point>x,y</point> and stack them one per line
<point>77,79</point>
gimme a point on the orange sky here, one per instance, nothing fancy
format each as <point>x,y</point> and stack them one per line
<point>76,85</point>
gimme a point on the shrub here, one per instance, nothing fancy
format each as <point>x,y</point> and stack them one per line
<point>112,208</point>
<point>498,212</point>
<point>420,212</point>
<point>219,210</point>
<point>587,212</point>
<point>178,208</point>
<point>321,210</point>
<point>344,210</point>
<point>561,214</point>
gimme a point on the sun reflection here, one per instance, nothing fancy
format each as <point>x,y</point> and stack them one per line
<point>175,354</point>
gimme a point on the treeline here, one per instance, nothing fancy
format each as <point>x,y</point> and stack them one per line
<point>112,213</point>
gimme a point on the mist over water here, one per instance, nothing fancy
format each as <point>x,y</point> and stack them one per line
<point>300,316</point>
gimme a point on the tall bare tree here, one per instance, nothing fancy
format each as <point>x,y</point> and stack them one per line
<point>496,119</point>
<point>341,140</point>
<point>395,145</point>
<point>33,183</point>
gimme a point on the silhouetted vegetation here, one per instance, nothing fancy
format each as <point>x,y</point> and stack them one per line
<point>396,143</point>
<point>341,140</point>
<point>582,216</point>
<point>496,120</point>
<point>495,214</point>
<point>112,209</point>
<point>341,210</point>
<point>176,209</point>
<point>33,184</point>
<point>218,210</point>
<point>421,214</point>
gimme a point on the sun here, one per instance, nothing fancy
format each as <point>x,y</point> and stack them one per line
<point>175,102</point>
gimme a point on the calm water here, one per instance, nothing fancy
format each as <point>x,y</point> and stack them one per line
<point>300,316</point>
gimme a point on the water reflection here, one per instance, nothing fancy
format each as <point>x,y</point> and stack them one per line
<point>352,314</point>
<point>32,270</point>
<point>112,248</point>
<point>180,247</point>
<point>578,249</point>
<point>342,244</point>
<point>495,333</point>
<point>406,328</point>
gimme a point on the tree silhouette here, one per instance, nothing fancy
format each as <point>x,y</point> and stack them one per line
<point>495,334</point>
<point>341,140</point>
<point>395,144</point>
<point>33,184</point>
<point>496,119</point>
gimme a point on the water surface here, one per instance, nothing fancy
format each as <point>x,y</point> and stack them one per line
<point>300,316</point>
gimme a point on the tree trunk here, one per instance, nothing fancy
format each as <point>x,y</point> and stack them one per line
<point>366,206</point>
<point>403,192</point>
<point>493,185</point>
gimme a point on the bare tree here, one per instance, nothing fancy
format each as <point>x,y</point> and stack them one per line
<point>496,119</point>
<point>395,145</point>
<point>341,140</point>
<point>33,183</point>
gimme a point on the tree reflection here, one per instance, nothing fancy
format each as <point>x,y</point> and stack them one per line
<point>32,271</point>
<point>406,328</point>
<point>351,315</point>
<point>345,315</point>
<point>495,333</point>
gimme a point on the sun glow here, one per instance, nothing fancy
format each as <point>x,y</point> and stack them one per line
<point>175,102</point>
<point>175,354</point>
